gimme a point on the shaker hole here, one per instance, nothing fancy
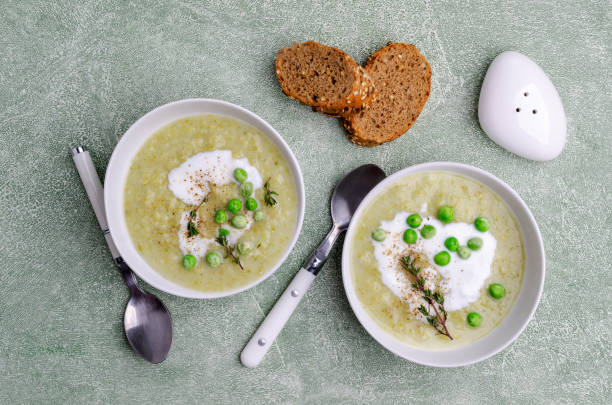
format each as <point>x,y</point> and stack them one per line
<point>535,111</point>
<point>518,109</point>
<point>526,94</point>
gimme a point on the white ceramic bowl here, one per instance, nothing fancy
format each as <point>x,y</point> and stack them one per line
<point>121,160</point>
<point>527,301</point>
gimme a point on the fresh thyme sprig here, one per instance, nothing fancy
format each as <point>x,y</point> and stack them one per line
<point>434,299</point>
<point>222,240</point>
<point>269,195</point>
<point>192,228</point>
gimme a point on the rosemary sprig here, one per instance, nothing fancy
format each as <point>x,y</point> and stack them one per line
<point>269,195</point>
<point>222,240</point>
<point>434,299</point>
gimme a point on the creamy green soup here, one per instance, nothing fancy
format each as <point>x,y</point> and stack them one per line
<point>425,193</point>
<point>157,218</point>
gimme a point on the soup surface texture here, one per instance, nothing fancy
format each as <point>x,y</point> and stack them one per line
<point>158,219</point>
<point>501,258</point>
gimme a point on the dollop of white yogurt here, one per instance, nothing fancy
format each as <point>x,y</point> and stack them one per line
<point>191,181</point>
<point>459,281</point>
<point>195,245</point>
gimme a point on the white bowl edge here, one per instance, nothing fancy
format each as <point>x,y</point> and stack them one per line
<point>527,301</point>
<point>129,145</point>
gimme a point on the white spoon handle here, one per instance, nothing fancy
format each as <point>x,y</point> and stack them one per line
<point>261,341</point>
<point>95,192</point>
<point>263,338</point>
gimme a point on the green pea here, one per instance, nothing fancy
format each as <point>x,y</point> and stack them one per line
<point>239,221</point>
<point>414,220</point>
<point>451,244</point>
<point>474,319</point>
<point>410,236</point>
<point>497,290</point>
<point>246,189</point>
<point>223,232</point>
<point>240,175</point>
<point>464,252</point>
<point>474,243</point>
<point>379,235</point>
<point>234,205</point>
<point>189,261</point>
<point>442,258</point>
<point>251,204</point>
<point>428,231</point>
<point>220,216</point>
<point>482,224</point>
<point>258,215</point>
<point>243,248</point>
<point>213,259</point>
<point>445,214</point>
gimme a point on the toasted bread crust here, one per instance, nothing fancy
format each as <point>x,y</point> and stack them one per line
<point>402,77</point>
<point>363,90</point>
<point>323,77</point>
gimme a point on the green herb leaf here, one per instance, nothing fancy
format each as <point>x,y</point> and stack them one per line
<point>192,229</point>
<point>269,195</point>
<point>424,310</point>
<point>439,298</point>
<point>222,240</point>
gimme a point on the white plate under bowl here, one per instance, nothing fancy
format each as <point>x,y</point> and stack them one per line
<point>526,303</point>
<point>119,166</point>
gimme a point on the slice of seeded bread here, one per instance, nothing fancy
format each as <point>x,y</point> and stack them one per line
<point>323,77</point>
<point>365,91</point>
<point>402,77</point>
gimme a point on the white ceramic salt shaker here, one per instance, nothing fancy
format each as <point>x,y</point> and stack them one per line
<point>520,109</point>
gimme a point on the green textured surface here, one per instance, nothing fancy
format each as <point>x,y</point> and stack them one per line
<point>82,72</point>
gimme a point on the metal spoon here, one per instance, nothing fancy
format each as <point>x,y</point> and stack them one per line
<point>147,322</point>
<point>345,200</point>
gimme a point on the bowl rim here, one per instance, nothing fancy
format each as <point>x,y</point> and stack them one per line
<point>520,319</point>
<point>121,160</point>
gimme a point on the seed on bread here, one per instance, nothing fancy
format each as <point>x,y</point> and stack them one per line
<point>323,77</point>
<point>402,77</point>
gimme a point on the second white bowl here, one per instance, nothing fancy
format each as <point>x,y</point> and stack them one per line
<point>527,301</point>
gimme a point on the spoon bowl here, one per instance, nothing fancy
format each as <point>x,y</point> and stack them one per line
<point>351,190</point>
<point>148,327</point>
<point>147,321</point>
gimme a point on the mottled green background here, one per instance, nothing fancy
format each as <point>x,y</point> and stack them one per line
<point>83,71</point>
